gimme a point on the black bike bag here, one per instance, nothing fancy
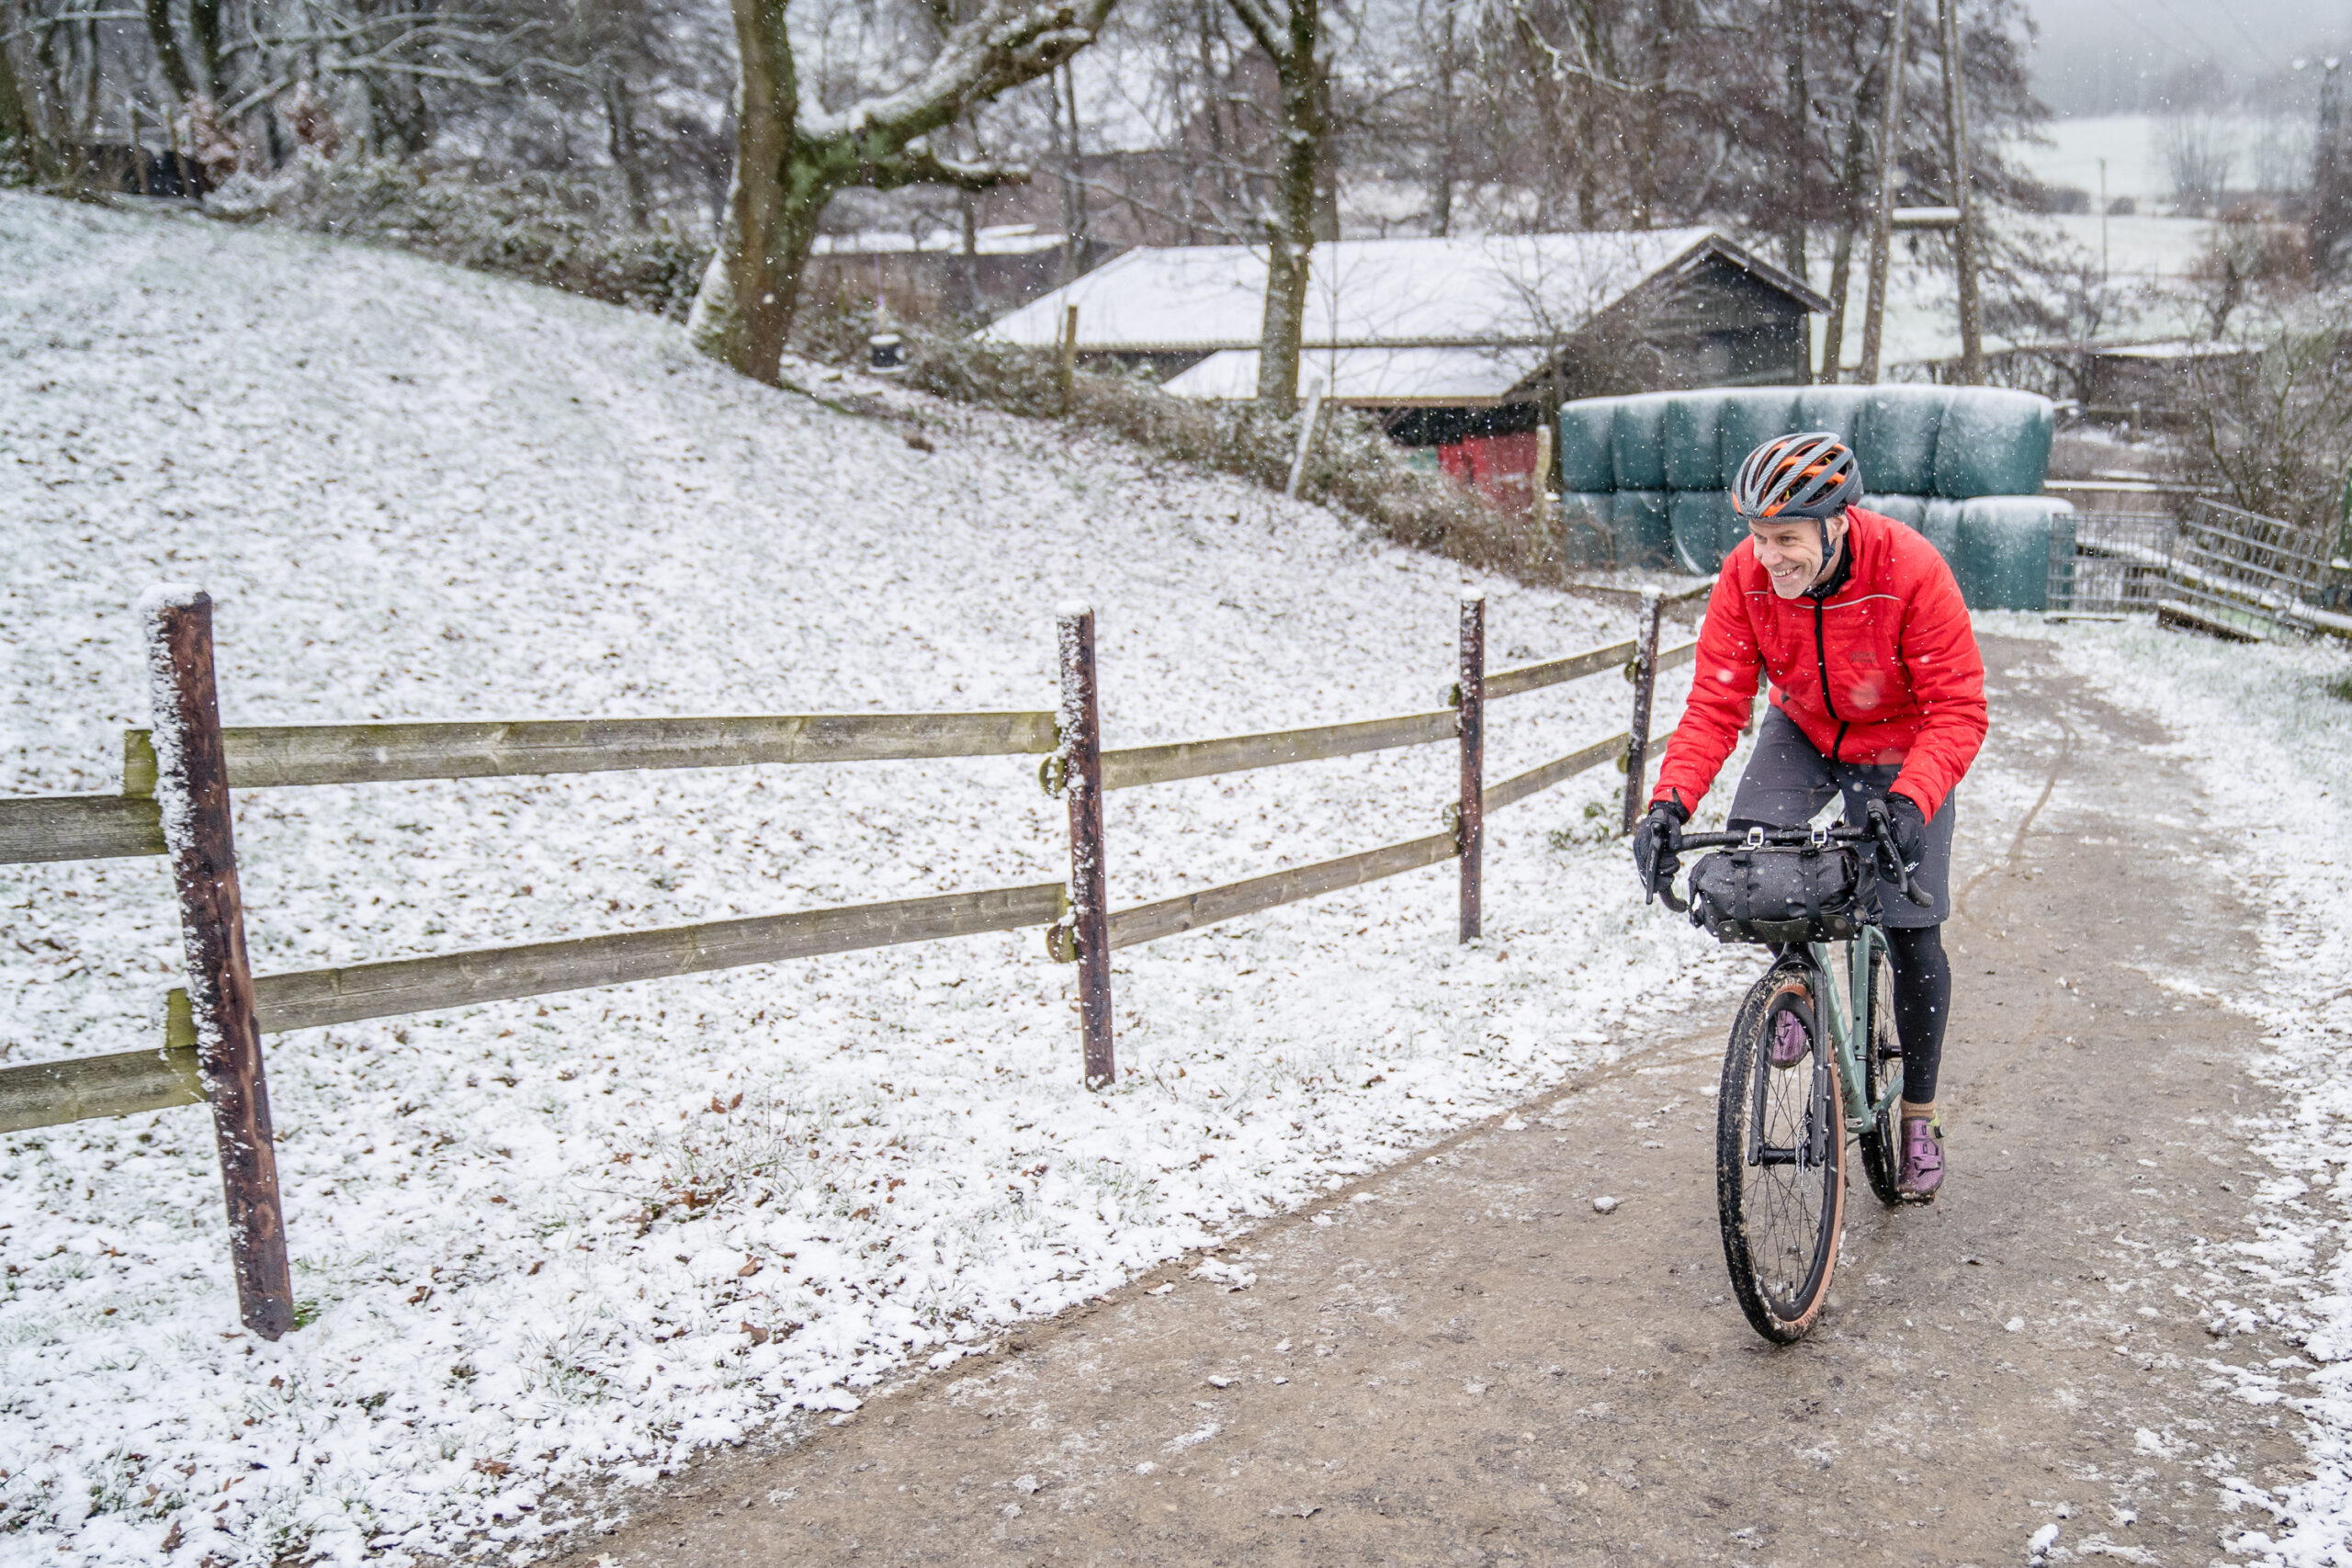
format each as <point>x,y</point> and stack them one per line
<point>1780,895</point>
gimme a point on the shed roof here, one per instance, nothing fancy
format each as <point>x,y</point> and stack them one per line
<point>1504,290</point>
<point>1384,378</point>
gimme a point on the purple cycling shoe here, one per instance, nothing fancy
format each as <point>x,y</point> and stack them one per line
<point>1923,1159</point>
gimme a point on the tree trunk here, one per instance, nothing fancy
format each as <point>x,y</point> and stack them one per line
<point>204,24</point>
<point>1846,198</point>
<point>744,307</point>
<point>626,147</point>
<point>1443,166</point>
<point>1653,148</point>
<point>20,138</point>
<point>1799,153</point>
<point>168,53</point>
<point>1290,226</point>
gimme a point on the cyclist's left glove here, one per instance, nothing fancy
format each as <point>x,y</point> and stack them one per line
<point>1908,827</point>
<point>1657,843</point>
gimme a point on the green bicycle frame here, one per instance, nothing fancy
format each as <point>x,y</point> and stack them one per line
<point>1850,1026</point>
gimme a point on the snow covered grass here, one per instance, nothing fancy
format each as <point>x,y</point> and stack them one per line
<point>553,1242</point>
<point>2270,732</point>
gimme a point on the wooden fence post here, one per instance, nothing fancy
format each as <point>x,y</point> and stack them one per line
<point>1081,726</point>
<point>1066,358</point>
<point>192,786</point>
<point>1637,737</point>
<point>1470,825</point>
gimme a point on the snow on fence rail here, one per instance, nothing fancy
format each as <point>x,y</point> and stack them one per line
<point>177,780</point>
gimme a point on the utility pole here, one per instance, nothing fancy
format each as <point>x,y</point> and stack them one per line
<point>1882,221</point>
<point>2102,222</point>
<point>1972,319</point>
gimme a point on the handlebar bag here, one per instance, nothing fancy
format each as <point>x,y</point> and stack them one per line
<point>1779,894</point>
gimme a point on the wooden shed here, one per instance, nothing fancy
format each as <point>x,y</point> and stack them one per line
<point>1465,346</point>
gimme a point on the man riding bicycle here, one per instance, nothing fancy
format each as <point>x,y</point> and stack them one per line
<point>1878,695</point>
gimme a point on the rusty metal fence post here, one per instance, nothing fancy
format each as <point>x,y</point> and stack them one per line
<point>192,786</point>
<point>1089,914</point>
<point>1637,737</point>
<point>1470,703</point>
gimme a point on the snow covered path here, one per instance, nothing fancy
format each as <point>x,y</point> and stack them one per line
<point>541,1242</point>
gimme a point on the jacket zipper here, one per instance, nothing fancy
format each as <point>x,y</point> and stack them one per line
<point>1821,659</point>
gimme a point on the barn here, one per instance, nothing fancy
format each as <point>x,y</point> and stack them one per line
<point>1463,347</point>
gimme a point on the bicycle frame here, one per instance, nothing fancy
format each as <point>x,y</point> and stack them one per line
<point>1850,1027</point>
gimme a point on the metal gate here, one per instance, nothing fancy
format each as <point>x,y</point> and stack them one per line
<point>2222,570</point>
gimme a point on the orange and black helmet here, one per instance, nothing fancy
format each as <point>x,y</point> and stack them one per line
<point>1812,474</point>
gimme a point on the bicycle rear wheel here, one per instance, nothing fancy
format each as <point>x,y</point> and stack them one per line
<point>1881,1070</point>
<point>1779,1159</point>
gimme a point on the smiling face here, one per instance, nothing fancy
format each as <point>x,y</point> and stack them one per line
<point>1789,550</point>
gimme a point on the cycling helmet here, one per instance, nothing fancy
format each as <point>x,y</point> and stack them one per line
<point>1812,474</point>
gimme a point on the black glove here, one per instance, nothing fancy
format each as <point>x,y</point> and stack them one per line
<point>1657,845</point>
<point>1906,823</point>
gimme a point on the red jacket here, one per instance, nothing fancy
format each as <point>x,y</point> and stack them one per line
<point>1882,670</point>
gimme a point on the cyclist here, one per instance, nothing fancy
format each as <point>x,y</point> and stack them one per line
<point>1877,695</point>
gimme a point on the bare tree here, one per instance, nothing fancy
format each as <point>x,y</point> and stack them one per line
<point>2197,158</point>
<point>2270,422</point>
<point>792,155</point>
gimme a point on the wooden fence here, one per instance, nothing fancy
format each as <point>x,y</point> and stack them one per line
<point>1083,772</point>
<point>179,775</point>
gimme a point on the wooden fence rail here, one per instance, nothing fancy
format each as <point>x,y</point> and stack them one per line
<point>46,1094</point>
<point>312,999</point>
<point>1135,765</point>
<point>1190,911</point>
<point>268,756</point>
<point>78,826</point>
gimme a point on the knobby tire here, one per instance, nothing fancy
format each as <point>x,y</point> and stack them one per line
<point>1780,1222</point>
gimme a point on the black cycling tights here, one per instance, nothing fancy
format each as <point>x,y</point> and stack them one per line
<point>1922,1003</point>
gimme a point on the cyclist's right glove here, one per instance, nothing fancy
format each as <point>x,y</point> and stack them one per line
<point>1658,844</point>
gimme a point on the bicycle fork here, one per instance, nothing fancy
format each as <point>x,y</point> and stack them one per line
<point>1821,1122</point>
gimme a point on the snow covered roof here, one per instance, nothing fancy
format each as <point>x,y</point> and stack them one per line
<point>1512,290</point>
<point>996,239</point>
<point>1390,377</point>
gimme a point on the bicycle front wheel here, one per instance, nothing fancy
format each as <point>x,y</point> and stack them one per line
<point>1781,1157</point>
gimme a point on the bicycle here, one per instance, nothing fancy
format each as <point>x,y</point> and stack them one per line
<point>1780,1132</point>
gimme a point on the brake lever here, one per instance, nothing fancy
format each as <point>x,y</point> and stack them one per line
<point>1884,832</point>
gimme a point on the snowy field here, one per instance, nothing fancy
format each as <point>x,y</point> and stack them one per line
<point>2273,743</point>
<point>549,1241</point>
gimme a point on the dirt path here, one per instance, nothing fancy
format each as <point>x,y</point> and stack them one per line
<point>1460,1361</point>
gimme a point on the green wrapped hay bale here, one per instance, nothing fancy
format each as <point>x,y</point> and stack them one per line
<point>1895,437</point>
<point>1993,442</point>
<point>1586,430</point>
<point>1644,533</point>
<point>1942,525</point>
<point>1638,444</point>
<point>1909,509</point>
<point>2003,556</point>
<point>1746,419</point>
<point>1704,528</point>
<point>1690,460</point>
<point>1835,409</point>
